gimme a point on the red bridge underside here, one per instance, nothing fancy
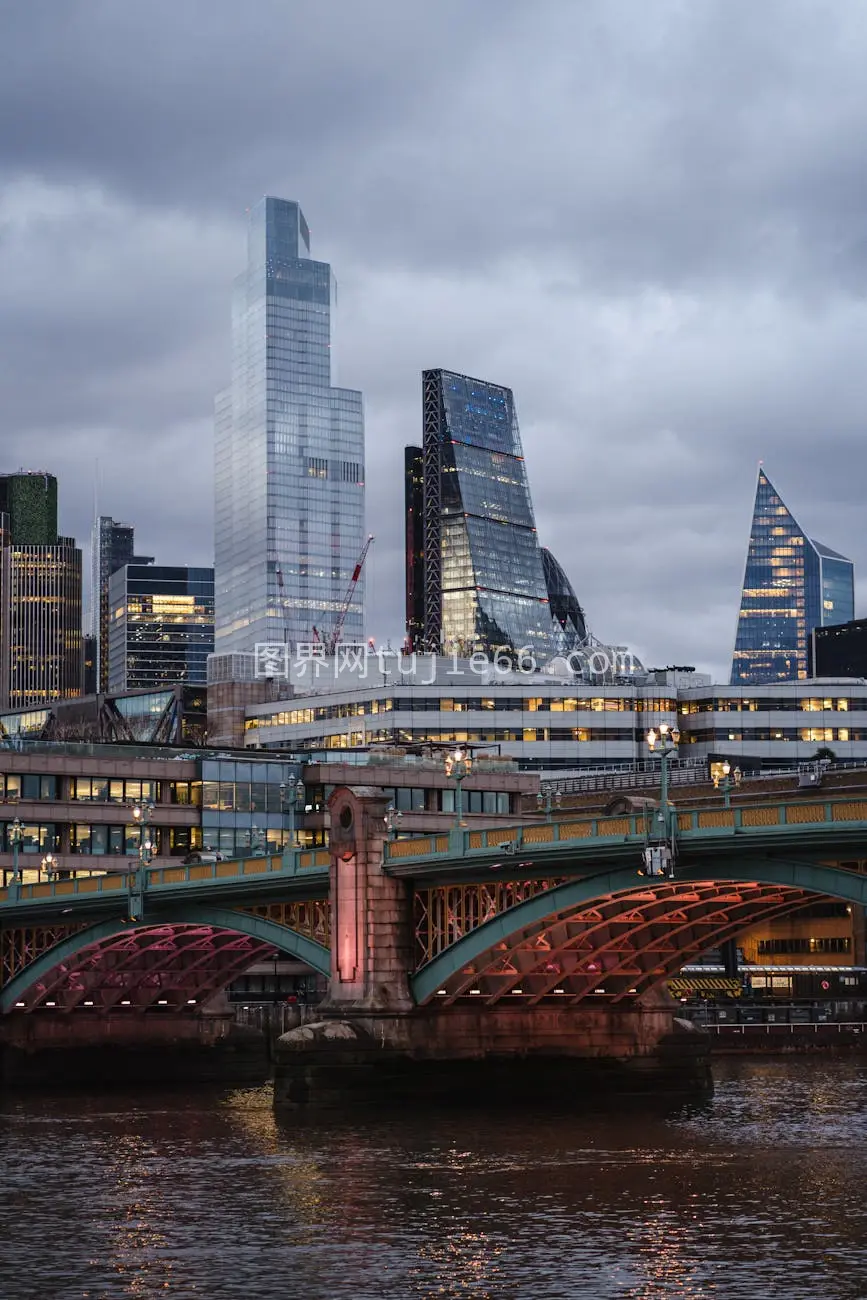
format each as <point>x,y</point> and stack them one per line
<point>162,966</point>
<point>619,946</point>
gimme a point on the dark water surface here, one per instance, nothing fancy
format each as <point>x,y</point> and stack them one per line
<point>760,1193</point>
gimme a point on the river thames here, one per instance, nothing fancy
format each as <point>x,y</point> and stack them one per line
<point>757,1193</point>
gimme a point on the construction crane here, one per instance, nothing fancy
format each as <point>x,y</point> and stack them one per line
<point>330,640</point>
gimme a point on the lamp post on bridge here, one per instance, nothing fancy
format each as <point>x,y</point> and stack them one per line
<point>547,802</point>
<point>16,835</point>
<point>660,847</point>
<point>459,764</point>
<point>392,817</point>
<point>729,779</point>
<point>141,815</point>
<point>291,796</point>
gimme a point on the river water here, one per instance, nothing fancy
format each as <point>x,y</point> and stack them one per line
<point>759,1193</point>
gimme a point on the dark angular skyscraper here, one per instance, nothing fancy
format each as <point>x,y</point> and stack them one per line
<point>475,575</point>
<point>791,586</point>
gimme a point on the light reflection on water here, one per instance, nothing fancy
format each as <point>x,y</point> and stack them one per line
<point>758,1193</point>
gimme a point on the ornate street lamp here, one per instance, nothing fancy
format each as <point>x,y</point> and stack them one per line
<point>141,815</point>
<point>458,766</point>
<point>392,817</point>
<point>291,797</point>
<point>660,840</point>
<point>16,835</point>
<point>49,864</point>
<point>548,801</point>
<point>726,781</point>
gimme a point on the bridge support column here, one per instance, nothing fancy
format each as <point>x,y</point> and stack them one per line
<point>371,925</point>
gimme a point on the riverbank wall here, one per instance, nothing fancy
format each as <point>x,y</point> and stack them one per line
<point>58,1051</point>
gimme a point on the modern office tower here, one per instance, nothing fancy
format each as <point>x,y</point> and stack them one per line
<point>161,626</point>
<point>40,596</point>
<point>481,582</point>
<point>112,545</point>
<point>791,586</point>
<point>30,502</point>
<point>289,463</point>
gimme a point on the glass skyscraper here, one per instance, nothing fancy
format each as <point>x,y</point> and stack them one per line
<point>791,586</point>
<point>289,469</point>
<point>475,573</point>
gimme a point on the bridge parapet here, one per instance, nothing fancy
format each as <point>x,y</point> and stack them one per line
<point>783,821</point>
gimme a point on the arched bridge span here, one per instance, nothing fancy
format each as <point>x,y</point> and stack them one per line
<point>608,936</point>
<point>175,961</point>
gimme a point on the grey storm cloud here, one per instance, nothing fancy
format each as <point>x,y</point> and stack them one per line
<point>647,220</point>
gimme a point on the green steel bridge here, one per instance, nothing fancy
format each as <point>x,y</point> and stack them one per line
<point>551,912</point>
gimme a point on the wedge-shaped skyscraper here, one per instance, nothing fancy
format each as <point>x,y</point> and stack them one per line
<point>476,577</point>
<point>791,586</point>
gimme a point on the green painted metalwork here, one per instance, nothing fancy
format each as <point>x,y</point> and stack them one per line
<point>578,893</point>
<point>297,945</point>
<point>167,884</point>
<point>823,826</point>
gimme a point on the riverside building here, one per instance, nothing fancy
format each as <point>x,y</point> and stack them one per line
<point>555,723</point>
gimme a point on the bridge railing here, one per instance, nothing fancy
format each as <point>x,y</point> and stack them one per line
<point>120,882</point>
<point>794,817</point>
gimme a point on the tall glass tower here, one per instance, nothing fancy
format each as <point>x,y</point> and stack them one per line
<point>289,465</point>
<point>475,572</point>
<point>791,586</point>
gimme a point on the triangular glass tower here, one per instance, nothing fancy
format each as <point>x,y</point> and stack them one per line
<point>791,586</point>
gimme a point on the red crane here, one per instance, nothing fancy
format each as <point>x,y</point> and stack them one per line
<point>331,639</point>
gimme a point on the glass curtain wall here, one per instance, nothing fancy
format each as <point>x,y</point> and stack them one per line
<point>289,471</point>
<point>791,586</point>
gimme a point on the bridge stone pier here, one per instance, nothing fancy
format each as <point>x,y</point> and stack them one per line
<point>372,1042</point>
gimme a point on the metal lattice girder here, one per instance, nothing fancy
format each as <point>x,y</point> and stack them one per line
<point>490,951</point>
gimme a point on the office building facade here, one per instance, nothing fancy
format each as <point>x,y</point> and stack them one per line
<point>161,627</point>
<point>792,584</point>
<point>112,546</point>
<point>475,573</point>
<point>41,656</point>
<point>289,450</point>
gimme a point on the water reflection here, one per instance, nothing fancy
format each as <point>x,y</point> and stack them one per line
<point>755,1193</point>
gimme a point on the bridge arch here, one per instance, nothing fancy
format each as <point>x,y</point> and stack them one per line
<point>618,934</point>
<point>190,951</point>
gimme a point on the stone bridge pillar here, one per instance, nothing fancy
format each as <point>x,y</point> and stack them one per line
<point>371,921</point>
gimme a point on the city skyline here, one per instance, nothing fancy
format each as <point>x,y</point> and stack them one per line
<point>668,309</point>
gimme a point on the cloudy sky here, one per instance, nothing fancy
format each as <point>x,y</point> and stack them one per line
<point>649,220</point>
